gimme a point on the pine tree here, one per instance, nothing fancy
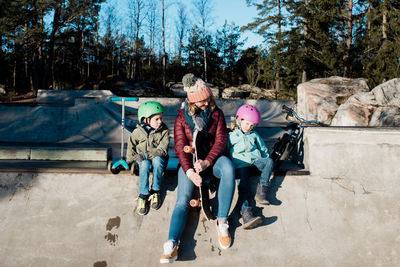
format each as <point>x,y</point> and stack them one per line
<point>228,44</point>
<point>381,61</point>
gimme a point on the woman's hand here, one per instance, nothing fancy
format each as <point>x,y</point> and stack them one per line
<point>194,177</point>
<point>200,165</point>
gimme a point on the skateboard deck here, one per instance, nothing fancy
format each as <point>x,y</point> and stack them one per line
<point>200,151</point>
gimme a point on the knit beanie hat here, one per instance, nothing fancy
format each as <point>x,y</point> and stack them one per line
<point>197,90</point>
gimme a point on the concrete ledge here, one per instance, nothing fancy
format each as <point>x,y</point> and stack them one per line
<point>55,153</point>
<point>14,153</point>
<point>368,154</point>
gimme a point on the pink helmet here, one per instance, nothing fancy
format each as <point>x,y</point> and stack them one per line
<point>249,113</point>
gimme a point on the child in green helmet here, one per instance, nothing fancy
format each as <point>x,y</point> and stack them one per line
<point>148,147</point>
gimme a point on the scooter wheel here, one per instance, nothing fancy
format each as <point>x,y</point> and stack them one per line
<point>109,165</point>
<point>115,171</point>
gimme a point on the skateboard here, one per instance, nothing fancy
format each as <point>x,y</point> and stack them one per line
<point>199,151</point>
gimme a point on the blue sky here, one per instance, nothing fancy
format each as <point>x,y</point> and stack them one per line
<point>238,12</point>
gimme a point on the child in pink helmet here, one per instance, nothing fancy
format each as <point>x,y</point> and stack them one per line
<point>247,149</point>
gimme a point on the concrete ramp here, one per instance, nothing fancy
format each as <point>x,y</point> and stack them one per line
<point>53,219</point>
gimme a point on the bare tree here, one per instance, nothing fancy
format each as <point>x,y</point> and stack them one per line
<point>110,25</point>
<point>181,28</point>
<point>203,7</point>
<point>136,17</point>
<point>151,25</point>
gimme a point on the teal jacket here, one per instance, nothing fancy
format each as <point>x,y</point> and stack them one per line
<point>245,149</point>
<point>154,144</point>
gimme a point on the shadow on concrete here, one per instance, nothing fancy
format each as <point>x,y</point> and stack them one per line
<point>235,217</point>
<point>276,182</point>
<point>188,241</point>
<point>12,183</point>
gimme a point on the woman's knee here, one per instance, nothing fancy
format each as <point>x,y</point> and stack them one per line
<point>226,166</point>
<point>183,201</point>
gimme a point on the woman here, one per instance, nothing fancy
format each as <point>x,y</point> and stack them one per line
<point>200,113</point>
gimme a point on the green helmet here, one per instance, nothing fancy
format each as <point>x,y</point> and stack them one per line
<point>148,109</point>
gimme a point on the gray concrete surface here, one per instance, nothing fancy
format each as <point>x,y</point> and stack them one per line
<point>345,213</point>
<point>53,219</point>
<point>368,155</point>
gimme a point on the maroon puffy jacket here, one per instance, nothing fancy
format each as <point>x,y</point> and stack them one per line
<point>217,136</point>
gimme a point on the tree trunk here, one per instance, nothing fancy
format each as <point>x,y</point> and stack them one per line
<point>349,38</point>
<point>384,20</point>
<point>35,78</point>
<point>305,29</point>
<point>15,72</point>
<point>26,52</point>
<point>50,58</point>
<point>81,67</point>
<point>163,45</point>
<point>277,75</point>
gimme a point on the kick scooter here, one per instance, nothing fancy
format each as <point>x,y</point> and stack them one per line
<point>121,164</point>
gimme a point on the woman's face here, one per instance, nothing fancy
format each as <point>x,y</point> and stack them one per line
<point>246,126</point>
<point>202,104</point>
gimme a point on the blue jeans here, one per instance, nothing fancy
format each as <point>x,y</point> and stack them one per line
<point>224,170</point>
<point>265,165</point>
<point>158,165</point>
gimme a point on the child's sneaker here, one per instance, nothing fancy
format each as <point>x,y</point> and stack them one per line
<point>155,201</point>
<point>262,194</point>
<point>224,238</point>
<point>142,206</point>
<point>170,252</point>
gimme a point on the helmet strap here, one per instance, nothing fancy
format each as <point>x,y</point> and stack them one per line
<point>238,123</point>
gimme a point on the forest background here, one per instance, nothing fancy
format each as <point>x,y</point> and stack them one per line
<point>62,44</point>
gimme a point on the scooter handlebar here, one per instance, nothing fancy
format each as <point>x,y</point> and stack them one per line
<point>110,99</point>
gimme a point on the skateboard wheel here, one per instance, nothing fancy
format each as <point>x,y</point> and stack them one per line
<point>194,203</point>
<point>187,149</point>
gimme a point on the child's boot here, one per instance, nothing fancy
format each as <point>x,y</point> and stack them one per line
<point>155,200</point>
<point>249,220</point>
<point>262,194</point>
<point>142,206</point>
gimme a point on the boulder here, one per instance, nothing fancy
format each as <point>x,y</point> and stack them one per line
<point>357,111</point>
<point>379,108</point>
<point>2,89</point>
<point>319,99</point>
<point>248,91</point>
<point>234,92</point>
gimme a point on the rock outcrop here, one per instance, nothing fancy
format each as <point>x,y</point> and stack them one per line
<point>380,107</point>
<point>244,91</point>
<point>319,99</point>
<point>248,91</point>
